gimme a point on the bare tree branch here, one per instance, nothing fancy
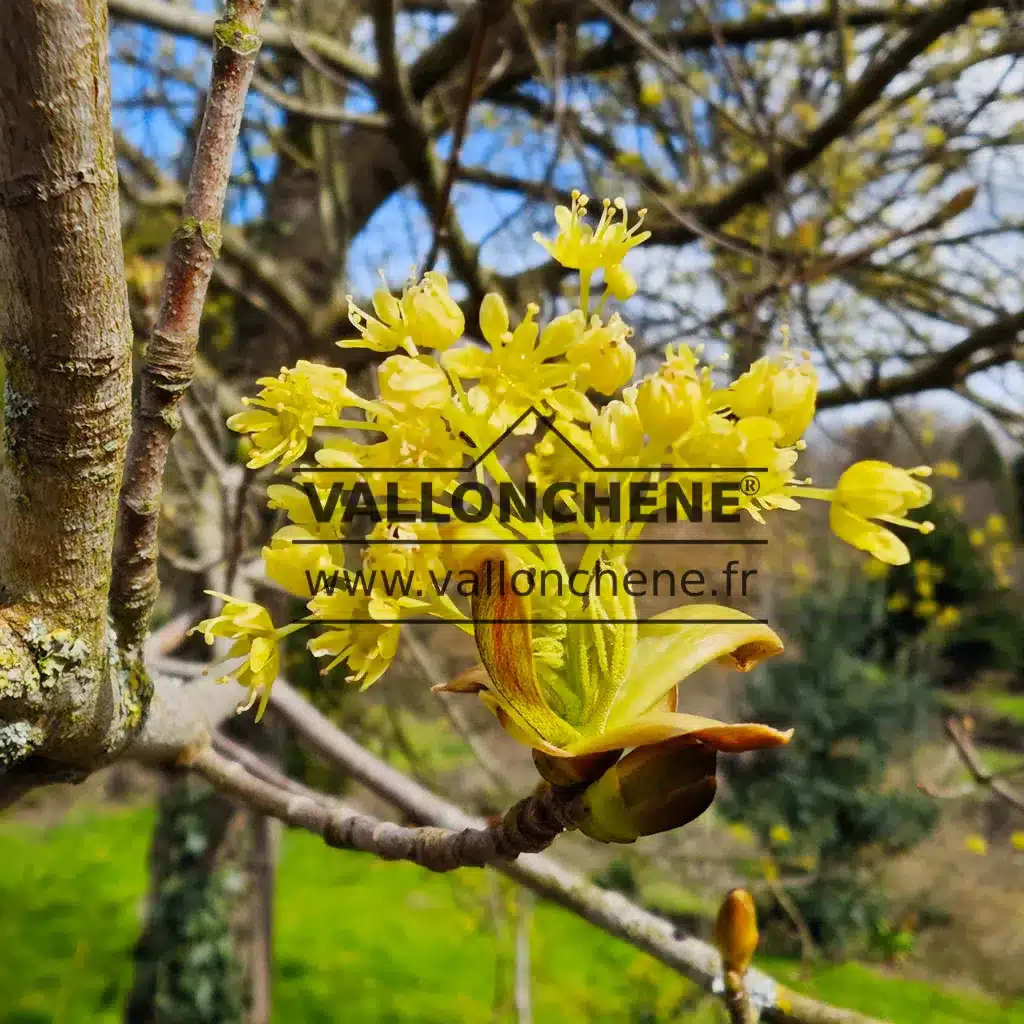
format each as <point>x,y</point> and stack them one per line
<point>170,359</point>
<point>795,157</point>
<point>1000,339</point>
<point>609,911</point>
<point>528,827</point>
<point>971,758</point>
<point>412,140</point>
<point>186,21</point>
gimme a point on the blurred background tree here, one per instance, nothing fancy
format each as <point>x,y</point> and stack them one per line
<point>832,809</point>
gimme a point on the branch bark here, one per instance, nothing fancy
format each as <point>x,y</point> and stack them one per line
<point>528,827</point>
<point>610,911</point>
<point>170,360</point>
<point>66,338</point>
<point>960,736</point>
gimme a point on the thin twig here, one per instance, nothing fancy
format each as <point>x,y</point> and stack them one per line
<point>975,764</point>
<point>610,911</point>
<point>527,827</point>
<point>476,50</point>
<point>170,358</point>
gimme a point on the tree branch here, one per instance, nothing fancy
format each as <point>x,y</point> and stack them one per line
<point>609,911</point>
<point>619,49</point>
<point>170,359</point>
<point>946,370</point>
<point>66,336</point>
<point>791,159</point>
<point>413,143</point>
<point>193,24</point>
<point>528,827</point>
<point>972,760</point>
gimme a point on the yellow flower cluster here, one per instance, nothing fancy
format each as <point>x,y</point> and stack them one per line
<point>923,603</point>
<point>997,546</point>
<point>255,643</point>
<point>567,670</point>
<point>290,407</point>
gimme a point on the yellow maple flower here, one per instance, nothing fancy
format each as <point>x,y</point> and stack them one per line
<point>870,491</point>
<point>353,636</point>
<point>290,407</point>
<point>672,400</point>
<point>427,444</point>
<point>781,388</point>
<point>617,433</point>
<point>255,643</point>
<point>294,499</point>
<point>581,247</point>
<point>995,525</point>
<point>406,383</point>
<point>293,559</point>
<point>587,249</point>
<point>603,357</point>
<point>520,368</point>
<point>425,317</point>
<point>977,845</point>
<point>652,93</point>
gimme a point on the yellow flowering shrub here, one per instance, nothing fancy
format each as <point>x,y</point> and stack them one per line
<point>572,674</point>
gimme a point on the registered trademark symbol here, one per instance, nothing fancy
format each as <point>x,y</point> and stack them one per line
<point>750,485</point>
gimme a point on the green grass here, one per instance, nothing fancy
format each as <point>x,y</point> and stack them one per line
<point>359,941</point>
<point>1006,705</point>
<point>891,997</point>
<point>993,703</point>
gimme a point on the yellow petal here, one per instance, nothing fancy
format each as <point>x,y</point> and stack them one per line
<point>260,654</point>
<point>658,726</point>
<point>250,420</point>
<point>867,536</point>
<point>667,652</point>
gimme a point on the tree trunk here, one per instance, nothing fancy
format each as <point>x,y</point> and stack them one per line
<point>189,967</point>
<point>206,952</point>
<point>66,343</point>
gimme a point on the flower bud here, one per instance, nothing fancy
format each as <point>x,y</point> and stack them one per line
<point>432,317</point>
<point>494,322</point>
<point>617,431</point>
<point>606,358</point>
<point>736,931</point>
<point>407,383</point>
<point>652,789</point>
<point>780,389</point>
<point>669,403</point>
<point>621,282</point>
